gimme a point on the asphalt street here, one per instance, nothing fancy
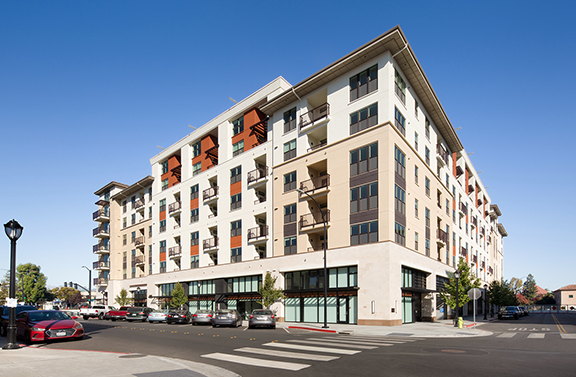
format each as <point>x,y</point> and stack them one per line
<point>536,345</point>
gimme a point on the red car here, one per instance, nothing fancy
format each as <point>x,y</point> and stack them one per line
<point>45,325</point>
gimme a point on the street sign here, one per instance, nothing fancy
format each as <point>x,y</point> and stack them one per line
<point>11,302</point>
<point>474,293</point>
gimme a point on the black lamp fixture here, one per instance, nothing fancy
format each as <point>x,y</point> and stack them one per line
<point>457,276</point>
<point>13,231</point>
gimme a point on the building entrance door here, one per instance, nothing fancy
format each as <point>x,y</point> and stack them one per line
<point>417,306</point>
<point>343,315</point>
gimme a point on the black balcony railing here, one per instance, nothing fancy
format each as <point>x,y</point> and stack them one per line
<point>443,153</point>
<point>463,251</point>
<point>441,235</point>
<point>210,243</point>
<point>100,230</point>
<point>314,115</point>
<point>210,193</point>
<point>175,251</point>
<point>101,213</point>
<point>100,247</point>
<point>100,264</point>
<point>256,174</point>
<point>315,183</point>
<point>176,206</point>
<point>99,281</point>
<point>259,231</point>
<point>139,241</point>
<point>463,208</point>
<point>139,260</point>
<point>314,218</point>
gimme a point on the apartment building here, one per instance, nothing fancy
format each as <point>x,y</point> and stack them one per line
<point>362,152</point>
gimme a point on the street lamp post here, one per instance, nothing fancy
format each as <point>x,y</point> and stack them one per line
<point>325,270</point>
<point>485,302</point>
<point>13,231</point>
<point>89,285</point>
<point>457,276</point>
<point>198,291</point>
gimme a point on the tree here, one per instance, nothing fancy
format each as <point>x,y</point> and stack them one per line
<point>515,285</point>
<point>179,297</point>
<point>269,293</point>
<point>5,288</point>
<point>31,283</point>
<point>465,283</point>
<point>529,289</point>
<point>500,294</point>
<point>122,299</point>
<point>76,299</point>
<point>64,294</point>
<point>546,299</point>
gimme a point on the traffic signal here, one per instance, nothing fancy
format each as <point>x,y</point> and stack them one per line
<point>65,284</point>
<point>70,284</point>
<point>75,286</point>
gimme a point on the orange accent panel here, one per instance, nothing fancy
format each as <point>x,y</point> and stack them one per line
<point>162,215</point>
<point>193,203</point>
<point>173,162</point>
<point>476,194</point>
<point>454,164</point>
<point>206,143</point>
<point>236,241</point>
<point>484,207</point>
<point>466,181</point>
<point>194,250</point>
<point>163,257</point>
<point>235,188</point>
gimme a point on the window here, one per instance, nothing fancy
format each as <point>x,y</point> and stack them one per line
<point>447,207</point>
<point>416,241</point>
<point>163,246</point>
<point>162,205</point>
<point>427,128</point>
<point>364,118</point>
<point>400,199</point>
<point>236,255</point>
<point>427,186</point>
<point>236,201</point>
<point>238,148</point>
<point>427,155</point>
<point>164,184</point>
<point>238,126</point>
<point>162,226</point>
<point>196,149</point>
<point>194,215</point>
<point>124,223</point>
<point>416,141</point>
<point>364,197</point>
<point>290,213</point>
<point>236,228</point>
<point>400,87</point>
<point>427,246</point>
<point>364,233</point>
<point>133,202</point>
<point>416,174</point>
<point>149,212</point>
<point>150,194</point>
<point>416,207</point>
<point>194,261</point>
<point>290,120</point>
<point>124,206</point>
<point>124,240</point>
<point>400,234</point>
<point>427,216</point>
<point>400,158</point>
<point>399,121</point>
<point>165,167</point>
<point>447,180</point>
<point>162,267</point>
<point>416,108</point>
<point>290,150</point>
<point>133,219</point>
<point>236,174</point>
<point>363,83</point>
<point>194,192</point>
<point>290,181</point>
<point>196,169</point>
<point>194,238</point>
<point>364,159</point>
<point>150,231</point>
<point>289,245</point>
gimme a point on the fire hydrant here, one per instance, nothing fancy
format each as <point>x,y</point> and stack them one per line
<point>460,322</point>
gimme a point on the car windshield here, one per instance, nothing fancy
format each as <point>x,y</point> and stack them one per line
<point>262,312</point>
<point>224,311</point>
<point>160,311</point>
<point>510,308</point>
<point>47,316</point>
<point>204,311</point>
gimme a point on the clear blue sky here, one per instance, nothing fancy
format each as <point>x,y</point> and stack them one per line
<point>88,89</point>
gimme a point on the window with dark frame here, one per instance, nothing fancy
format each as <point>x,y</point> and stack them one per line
<point>289,150</point>
<point>364,198</point>
<point>400,86</point>
<point>290,181</point>
<point>363,83</point>
<point>236,228</point>
<point>290,120</point>
<point>238,125</point>
<point>236,201</point>
<point>364,233</point>
<point>399,121</point>
<point>196,149</point>
<point>400,199</point>
<point>364,118</point>
<point>364,159</point>
<point>290,245</point>
<point>236,255</point>
<point>400,159</point>
<point>235,174</point>
<point>290,213</point>
<point>194,190</point>
<point>400,234</point>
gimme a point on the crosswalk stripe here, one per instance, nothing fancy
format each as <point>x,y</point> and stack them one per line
<point>291,355</point>
<point>340,340</point>
<point>256,362</point>
<point>313,349</point>
<point>367,341</point>
<point>321,343</point>
<point>506,335</point>
<point>568,336</point>
<point>382,338</point>
<point>535,335</point>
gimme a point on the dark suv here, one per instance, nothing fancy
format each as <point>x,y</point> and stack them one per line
<point>5,318</point>
<point>509,312</point>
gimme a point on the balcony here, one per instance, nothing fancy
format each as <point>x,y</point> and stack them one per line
<point>315,117</point>
<point>175,252</point>
<point>139,241</point>
<point>139,204</point>
<point>101,248</point>
<point>312,222</point>
<point>102,214</point>
<point>210,194</point>
<point>441,154</point>
<point>99,282</point>
<point>317,146</point>
<point>101,232</point>
<point>463,209</point>
<point>483,265</point>
<point>316,185</point>
<point>441,237</point>
<point>175,208</point>
<point>258,176</point>
<point>138,261</point>
<point>101,265</point>
<point>470,189</point>
<point>463,251</point>
<point>490,271</point>
<point>210,244</point>
<point>459,171</point>
<point>474,259</point>
<point>475,221</point>
<point>258,234</point>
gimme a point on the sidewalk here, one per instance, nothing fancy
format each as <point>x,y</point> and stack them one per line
<point>36,361</point>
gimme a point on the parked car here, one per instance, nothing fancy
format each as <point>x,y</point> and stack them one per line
<point>97,311</point>
<point>138,313</point>
<point>524,310</point>
<point>202,316</point>
<point>179,316</point>
<point>158,315</point>
<point>44,325</point>
<point>117,314</point>
<point>262,317</point>
<point>227,317</point>
<point>509,312</point>
<point>5,316</point>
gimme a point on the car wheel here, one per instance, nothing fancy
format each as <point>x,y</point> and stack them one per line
<point>85,317</point>
<point>113,319</point>
<point>516,317</point>
<point>273,326</point>
<point>101,316</point>
<point>144,320</point>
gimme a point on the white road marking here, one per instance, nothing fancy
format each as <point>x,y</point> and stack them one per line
<point>355,341</point>
<point>285,329</point>
<point>361,341</point>
<point>256,362</point>
<point>291,355</point>
<point>535,335</point>
<point>313,349</point>
<point>506,335</point>
<point>320,343</point>
<point>568,336</point>
<point>380,338</point>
